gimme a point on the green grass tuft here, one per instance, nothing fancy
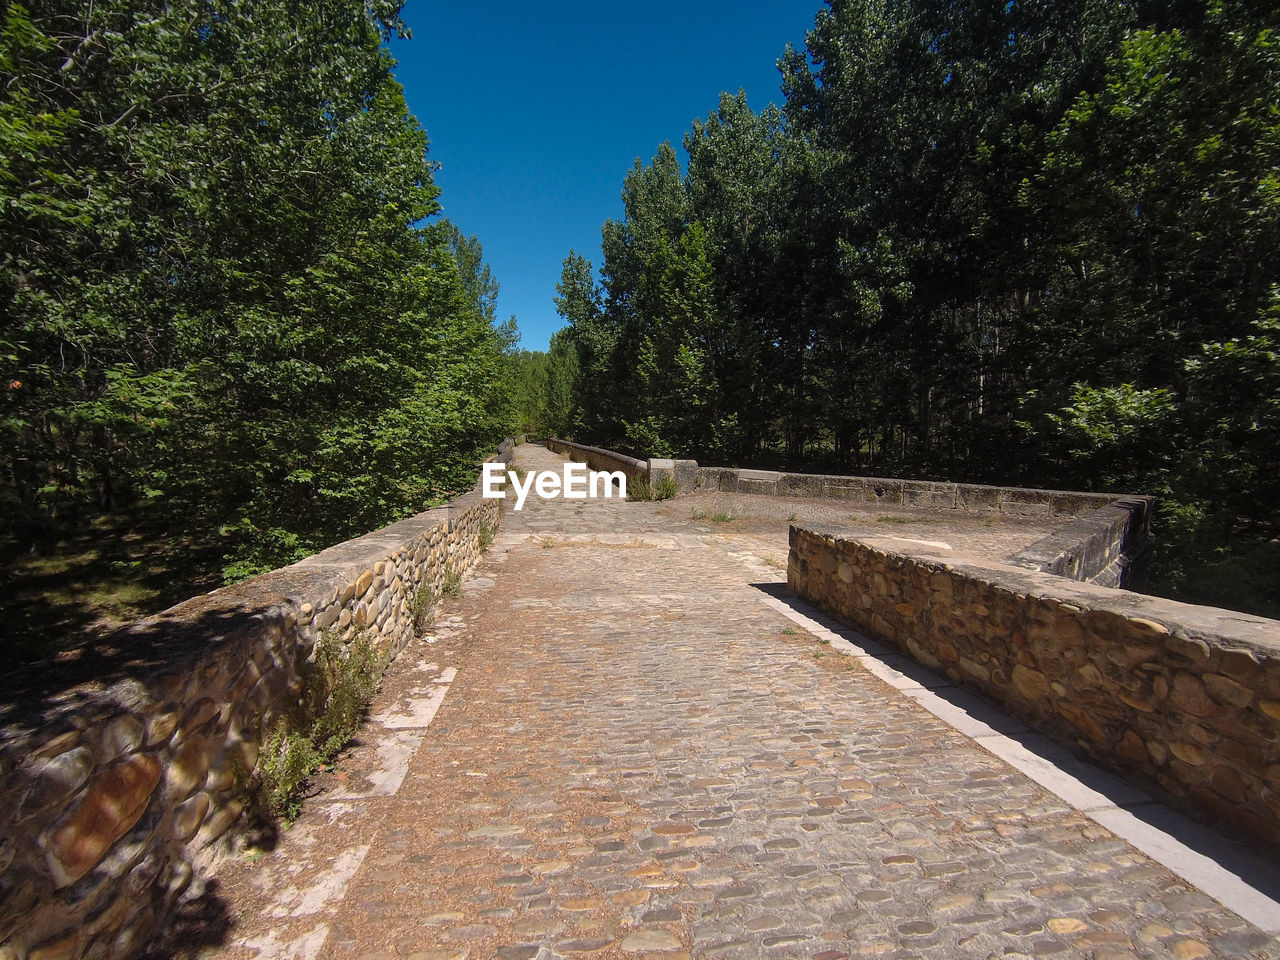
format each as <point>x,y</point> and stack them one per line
<point>423,609</point>
<point>451,588</point>
<point>639,490</point>
<point>338,684</point>
<point>666,488</point>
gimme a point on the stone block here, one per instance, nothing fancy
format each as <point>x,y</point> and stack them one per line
<point>1187,694</point>
<point>56,745</point>
<point>1241,665</point>
<point>64,946</point>
<point>104,814</point>
<point>1189,753</point>
<point>189,816</point>
<point>363,582</point>
<point>326,617</point>
<point>1018,509</point>
<point>883,491</point>
<point>1062,503</point>
<point>1227,691</point>
<point>219,822</point>
<point>760,482</point>
<point>1023,495</point>
<point>1028,683</point>
<point>200,713</point>
<point>977,498</point>
<point>1230,783</point>
<point>929,494</point>
<point>123,736</point>
<point>1083,722</point>
<point>802,484</point>
<point>55,781</point>
<point>1132,749</point>
<point>188,766</point>
<point>844,489</point>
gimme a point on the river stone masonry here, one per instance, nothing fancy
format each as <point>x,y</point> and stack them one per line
<point>1183,699</point>
<point>123,781</point>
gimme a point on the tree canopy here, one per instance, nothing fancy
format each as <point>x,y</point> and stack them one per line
<point>227,298</point>
<point>1019,243</point>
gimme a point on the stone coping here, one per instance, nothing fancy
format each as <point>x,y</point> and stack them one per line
<point>970,497</point>
<point>1194,623</point>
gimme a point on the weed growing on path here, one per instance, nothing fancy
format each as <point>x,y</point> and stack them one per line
<point>451,588</point>
<point>423,609</point>
<point>338,684</point>
<point>639,489</point>
<point>720,516</point>
<point>666,489</point>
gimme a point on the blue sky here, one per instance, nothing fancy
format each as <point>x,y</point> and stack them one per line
<point>535,112</point>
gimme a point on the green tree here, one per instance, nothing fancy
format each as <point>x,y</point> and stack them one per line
<point>592,339</point>
<point>562,413</point>
<point>673,379</point>
<point>222,295</point>
<point>1029,242</point>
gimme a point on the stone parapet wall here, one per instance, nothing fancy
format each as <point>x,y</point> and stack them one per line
<point>1183,699</point>
<point>1110,546</point>
<point>598,458</point>
<point>1109,542</point>
<point>683,472</point>
<point>969,497</point>
<point>122,778</point>
<point>506,448</point>
<point>652,471</point>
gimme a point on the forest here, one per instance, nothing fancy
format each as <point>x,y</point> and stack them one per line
<point>1024,243</point>
<point>1021,243</point>
<point>234,327</point>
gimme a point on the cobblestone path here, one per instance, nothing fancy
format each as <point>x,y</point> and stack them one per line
<point>638,756</point>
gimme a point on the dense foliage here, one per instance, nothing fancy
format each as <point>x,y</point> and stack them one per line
<point>224,299</point>
<point>1027,242</point>
<point>542,384</point>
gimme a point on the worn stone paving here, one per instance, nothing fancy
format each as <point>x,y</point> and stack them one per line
<point>636,757</point>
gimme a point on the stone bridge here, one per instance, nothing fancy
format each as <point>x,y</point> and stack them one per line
<point>627,739</point>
